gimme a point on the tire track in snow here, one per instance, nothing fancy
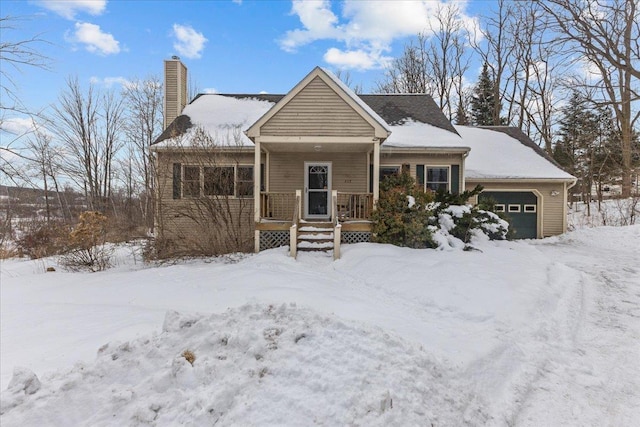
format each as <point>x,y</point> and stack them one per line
<point>596,381</point>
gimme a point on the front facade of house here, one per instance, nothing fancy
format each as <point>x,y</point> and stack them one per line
<point>303,169</point>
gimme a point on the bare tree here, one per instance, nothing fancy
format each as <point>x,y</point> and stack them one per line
<point>143,101</point>
<point>497,52</point>
<point>434,63</point>
<point>46,159</point>
<point>345,77</point>
<point>408,73</point>
<point>208,208</point>
<point>14,56</point>
<point>89,127</point>
<point>607,34</point>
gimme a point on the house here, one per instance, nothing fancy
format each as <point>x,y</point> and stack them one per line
<point>303,169</point>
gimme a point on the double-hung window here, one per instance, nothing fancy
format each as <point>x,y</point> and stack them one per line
<point>218,180</point>
<point>229,181</point>
<point>244,181</point>
<point>437,178</point>
<point>191,181</point>
<point>386,171</point>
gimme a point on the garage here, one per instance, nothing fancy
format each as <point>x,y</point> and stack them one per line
<point>520,209</point>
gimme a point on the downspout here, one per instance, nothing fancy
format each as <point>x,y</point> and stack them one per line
<point>463,178</point>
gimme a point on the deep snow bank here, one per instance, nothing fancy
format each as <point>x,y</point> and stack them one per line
<point>256,365</point>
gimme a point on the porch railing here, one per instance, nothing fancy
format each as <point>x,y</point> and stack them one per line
<point>277,206</point>
<point>349,206</point>
<point>354,206</point>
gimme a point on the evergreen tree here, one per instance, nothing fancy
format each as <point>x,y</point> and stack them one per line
<point>585,141</point>
<point>462,118</point>
<point>483,104</point>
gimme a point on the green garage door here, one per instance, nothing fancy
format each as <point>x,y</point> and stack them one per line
<point>520,208</point>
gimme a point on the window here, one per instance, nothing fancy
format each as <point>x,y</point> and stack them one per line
<point>499,208</point>
<point>514,208</point>
<point>386,171</point>
<point>437,178</point>
<point>218,181</point>
<point>234,181</point>
<point>530,208</point>
<point>244,181</point>
<point>191,181</point>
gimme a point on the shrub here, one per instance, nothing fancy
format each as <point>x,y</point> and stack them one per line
<point>40,239</point>
<point>188,354</point>
<point>408,216</point>
<point>88,249</point>
<point>401,216</point>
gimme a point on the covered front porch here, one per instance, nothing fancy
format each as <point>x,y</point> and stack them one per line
<point>315,195</point>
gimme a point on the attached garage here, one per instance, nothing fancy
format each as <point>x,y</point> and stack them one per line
<point>520,208</point>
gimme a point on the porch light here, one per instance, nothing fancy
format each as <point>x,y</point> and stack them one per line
<point>554,193</point>
<point>317,147</point>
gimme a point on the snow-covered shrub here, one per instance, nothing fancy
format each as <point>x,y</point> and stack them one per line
<point>88,248</point>
<point>407,216</point>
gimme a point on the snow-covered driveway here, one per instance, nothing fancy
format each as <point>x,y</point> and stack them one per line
<point>519,333</point>
<point>594,378</point>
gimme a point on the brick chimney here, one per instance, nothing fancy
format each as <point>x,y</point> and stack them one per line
<point>175,89</point>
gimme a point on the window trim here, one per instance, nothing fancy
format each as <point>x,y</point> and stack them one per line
<point>183,182</point>
<point>201,169</point>
<point>500,207</point>
<point>237,181</point>
<point>530,208</point>
<point>516,208</point>
<point>398,169</point>
<point>426,175</point>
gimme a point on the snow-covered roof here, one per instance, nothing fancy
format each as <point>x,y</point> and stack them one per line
<point>413,134</point>
<point>493,154</point>
<point>223,117</point>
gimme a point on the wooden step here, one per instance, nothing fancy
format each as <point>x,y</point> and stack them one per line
<point>315,236</point>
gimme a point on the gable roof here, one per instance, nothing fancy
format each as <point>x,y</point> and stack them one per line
<point>393,109</point>
<point>381,128</point>
<point>501,152</point>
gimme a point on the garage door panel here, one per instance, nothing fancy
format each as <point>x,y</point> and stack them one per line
<point>523,219</point>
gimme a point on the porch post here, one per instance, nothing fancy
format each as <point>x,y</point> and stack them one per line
<point>376,173</point>
<point>256,180</point>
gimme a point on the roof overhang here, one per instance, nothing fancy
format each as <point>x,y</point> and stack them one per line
<point>520,180</point>
<point>220,149</point>
<point>430,150</point>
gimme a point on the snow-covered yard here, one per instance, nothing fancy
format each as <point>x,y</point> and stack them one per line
<point>520,333</point>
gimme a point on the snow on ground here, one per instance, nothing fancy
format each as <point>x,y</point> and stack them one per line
<point>520,333</point>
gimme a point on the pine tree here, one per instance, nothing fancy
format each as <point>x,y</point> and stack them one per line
<point>483,103</point>
<point>462,118</point>
<point>576,149</point>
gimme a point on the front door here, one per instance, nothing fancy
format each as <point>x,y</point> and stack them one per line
<point>317,190</point>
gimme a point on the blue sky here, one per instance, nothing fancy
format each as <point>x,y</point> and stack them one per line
<point>228,46</point>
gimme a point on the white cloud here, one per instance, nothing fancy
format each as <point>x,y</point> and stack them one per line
<point>94,40</point>
<point>367,29</point>
<point>109,82</point>
<point>354,59</point>
<point>17,125</point>
<point>69,8</point>
<point>189,43</point>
